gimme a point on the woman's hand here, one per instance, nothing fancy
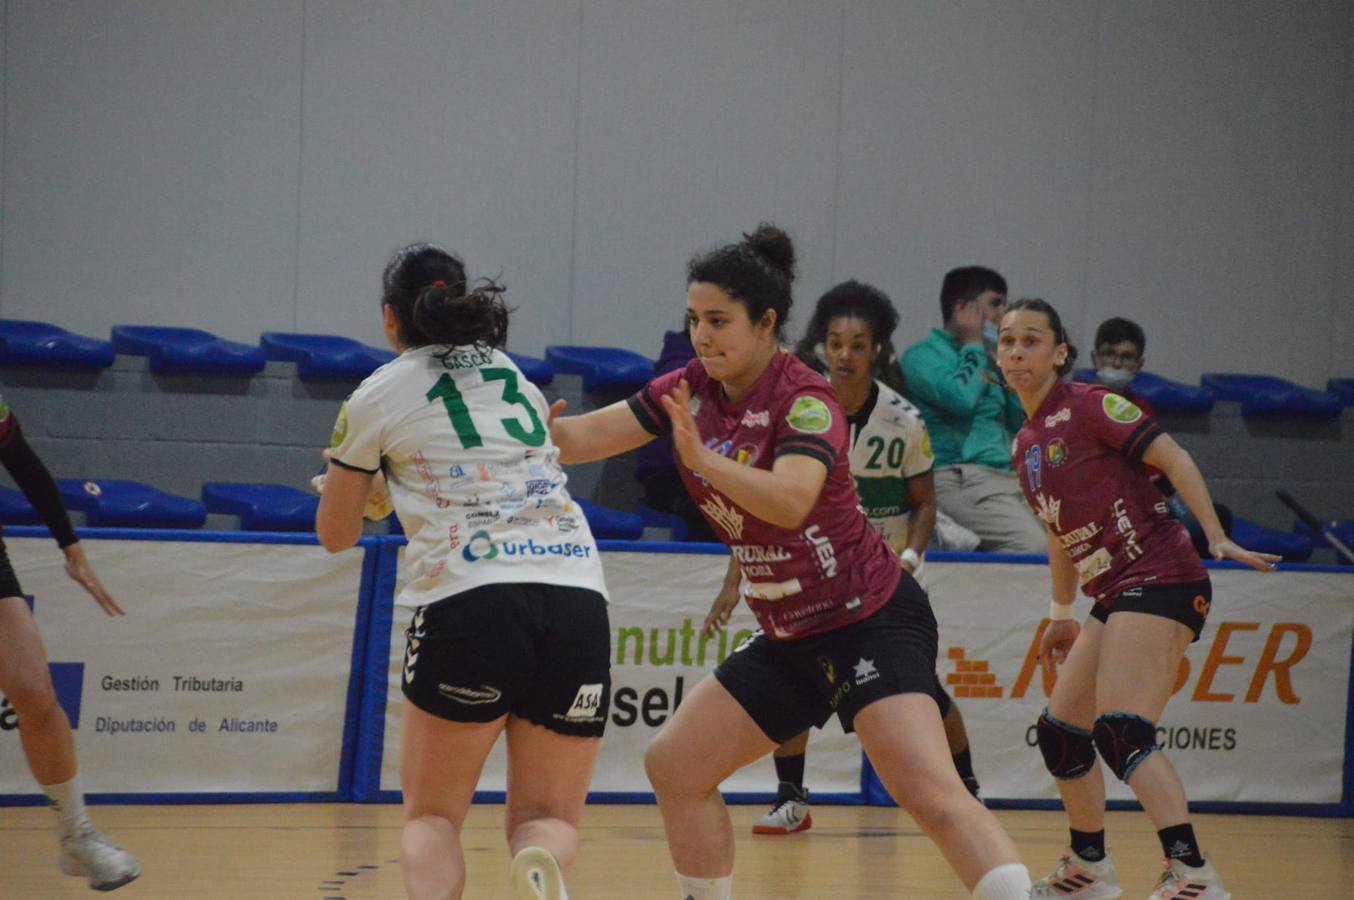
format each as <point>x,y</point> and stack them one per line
<point>726,601</point>
<point>686,437</point>
<point>1226,549</point>
<point>82,573</point>
<point>1056,644</point>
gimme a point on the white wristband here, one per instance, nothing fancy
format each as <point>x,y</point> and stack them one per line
<point>1058,612</point>
<point>911,557</point>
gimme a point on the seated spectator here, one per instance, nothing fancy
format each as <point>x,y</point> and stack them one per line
<point>1120,345</point>
<point>953,380</point>
<point>654,467</point>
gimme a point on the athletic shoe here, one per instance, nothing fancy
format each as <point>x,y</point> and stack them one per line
<point>536,875</point>
<point>789,815</point>
<point>1182,882</point>
<point>88,853</point>
<point>1079,879</point>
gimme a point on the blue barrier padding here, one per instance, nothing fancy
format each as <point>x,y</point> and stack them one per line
<point>188,351</point>
<point>1266,395</point>
<point>675,524</point>
<point>15,508</point>
<point>538,371</point>
<point>262,507</point>
<point>1344,532</point>
<point>1342,388</point>
<point>130,504</point>
<point>28,343</point>
<point>369,750</point>
<point>602,367</point>
<point>1164,395</point>
<point>1253,536</point>
<point>324,355</point>
<point>611,524</point>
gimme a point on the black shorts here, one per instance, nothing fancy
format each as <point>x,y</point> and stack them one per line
<point>1187,604</point>
<point>9,582</point>
<point>788,686</point>
<point>539,651</point>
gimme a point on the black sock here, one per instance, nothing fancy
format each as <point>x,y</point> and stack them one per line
<point>964,763</point>
<point>790,770</point>
<point>1178,842</point>
<point>1089,845</point>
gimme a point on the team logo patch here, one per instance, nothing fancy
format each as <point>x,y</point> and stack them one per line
<point>725,516</point>
<point>810,415</point>
<point>1201,605</point>
<point>1121,409</point>
<point>1050,509</point>
<point>1057,452</point>
<point>829,671</point>
<point>340,427</point>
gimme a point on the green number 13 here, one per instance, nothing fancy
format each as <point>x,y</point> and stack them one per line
<point>445,390</point>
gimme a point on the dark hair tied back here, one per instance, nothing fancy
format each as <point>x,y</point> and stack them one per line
<point>427,289</point>
<point>1055,324</point>
<point>757,272</point>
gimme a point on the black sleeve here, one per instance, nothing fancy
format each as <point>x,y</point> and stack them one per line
<point>37,484</point>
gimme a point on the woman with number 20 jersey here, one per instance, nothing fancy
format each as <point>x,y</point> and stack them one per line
<point>503,583</point>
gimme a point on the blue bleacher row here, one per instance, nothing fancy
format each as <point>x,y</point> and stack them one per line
<point>272,507</point>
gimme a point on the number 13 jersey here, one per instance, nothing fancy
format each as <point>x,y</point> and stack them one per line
<point>473,475</point>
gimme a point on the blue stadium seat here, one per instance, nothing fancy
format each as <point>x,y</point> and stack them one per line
<point>324,355</point>
<point>1342,388</point>
<point>653,518</point>
<point>602,367</point>
<point>262,507</point>
<point>611,524</point>
<point>16,510</point>
<point>188,351</point>
<point>1344,532</point>
<point>1266,395</point>
<point>1166,396</point>
<point>1254,536</point>
<point>130,504</point>
<point>25,343</point>
<point>538,371</point>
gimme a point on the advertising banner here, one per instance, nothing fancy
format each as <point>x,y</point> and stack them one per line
<point>228,675</point>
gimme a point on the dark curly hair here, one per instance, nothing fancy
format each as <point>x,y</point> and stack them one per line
<point>855,300</point>
<point>426,288</point>
<point>757,272</point>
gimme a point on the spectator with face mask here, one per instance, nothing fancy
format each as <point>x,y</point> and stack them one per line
<point>1117,357</point>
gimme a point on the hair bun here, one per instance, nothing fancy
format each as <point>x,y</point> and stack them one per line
<point>775,247</point>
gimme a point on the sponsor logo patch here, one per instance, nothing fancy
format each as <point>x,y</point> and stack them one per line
<point>1120,409</point>
<point>1062,415</point>
<point>470,696</point>
<point>586,703</point>
<point>810,416</point>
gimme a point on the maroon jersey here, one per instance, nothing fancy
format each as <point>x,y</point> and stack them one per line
<point>834,569</point>
<point>1079,459</point>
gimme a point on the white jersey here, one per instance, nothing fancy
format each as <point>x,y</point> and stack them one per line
<point>889,444</point>
<point>473,475</point>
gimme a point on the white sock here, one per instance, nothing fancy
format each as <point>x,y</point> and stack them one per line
<point>706,888</point>
<point>1008,882</point>
<point>68,802</point>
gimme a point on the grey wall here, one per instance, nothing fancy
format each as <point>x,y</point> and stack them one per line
<point>243,166</point>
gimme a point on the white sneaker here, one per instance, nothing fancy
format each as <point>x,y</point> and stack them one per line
<point>790,814</point>
<point>1182,882</point>
<point>88,853</point>
<point>1079,879</point>
<point>536,875</point>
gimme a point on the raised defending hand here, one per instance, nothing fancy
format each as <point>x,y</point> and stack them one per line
<point>686,437</point>
<point>1226,549</point>
<point>726,601</point>
<point>555,409</point>
<point>80,571</point>
<point>1056,644</point>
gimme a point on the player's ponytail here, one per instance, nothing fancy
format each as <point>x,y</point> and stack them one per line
<point>434,303</point>
<point>1055,324</point>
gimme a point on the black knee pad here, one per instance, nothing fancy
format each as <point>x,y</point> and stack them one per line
<point>1068,751</point>
<point>1124,741</point>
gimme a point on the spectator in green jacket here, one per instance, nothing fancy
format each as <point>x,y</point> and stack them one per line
<point>972,416</point>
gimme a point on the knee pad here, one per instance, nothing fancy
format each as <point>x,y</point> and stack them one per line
<point>1068,751</point>
<point>1124,741</point>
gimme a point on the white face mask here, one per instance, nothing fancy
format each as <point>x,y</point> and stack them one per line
<point>990,334</point>
<point>1116,379</point>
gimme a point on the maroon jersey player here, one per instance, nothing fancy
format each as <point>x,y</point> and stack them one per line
<point>1081,458</point>
<point>762,446</point>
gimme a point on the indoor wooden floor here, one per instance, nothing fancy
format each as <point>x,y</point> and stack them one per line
<point>322,851</point>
